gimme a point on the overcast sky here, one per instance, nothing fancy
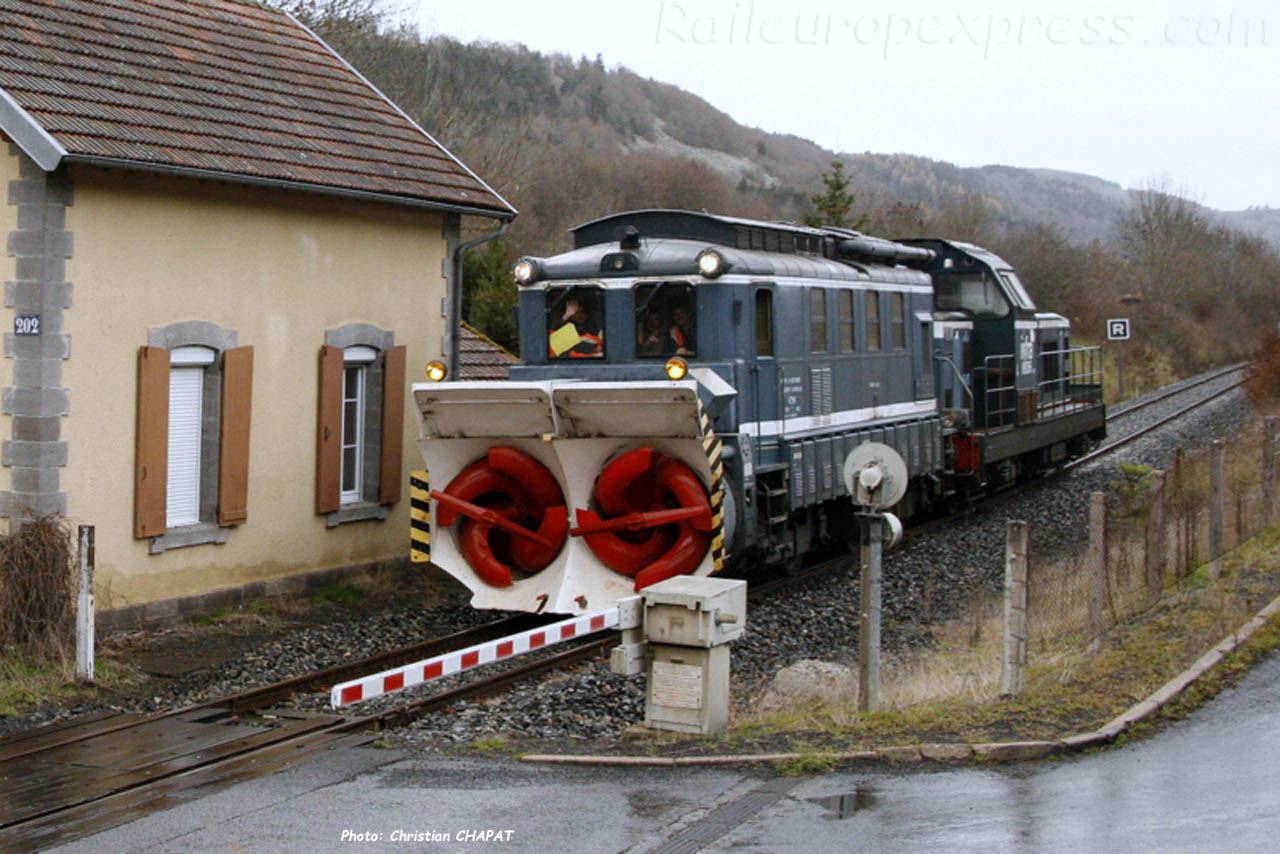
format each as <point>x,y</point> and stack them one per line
<point>1183,92</point>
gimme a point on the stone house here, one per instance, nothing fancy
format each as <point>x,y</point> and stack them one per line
<point>227,255</point>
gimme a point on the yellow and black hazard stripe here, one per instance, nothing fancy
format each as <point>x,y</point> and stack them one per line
<point>419,517</point>
<point>712,448</point>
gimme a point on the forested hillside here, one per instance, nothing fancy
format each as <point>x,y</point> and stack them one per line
<point>568,139</point>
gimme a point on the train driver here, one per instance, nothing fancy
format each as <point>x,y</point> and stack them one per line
<point>580,335</point>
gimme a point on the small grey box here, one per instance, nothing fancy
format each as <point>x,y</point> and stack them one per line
<point>695,611</point>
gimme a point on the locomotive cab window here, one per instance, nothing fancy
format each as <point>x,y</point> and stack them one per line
<point>575,322</point>
<point>665,320</point>
<point>1014,285</point>
<point>976,294</point>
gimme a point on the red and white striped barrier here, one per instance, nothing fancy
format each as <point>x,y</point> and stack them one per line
<point>473,656</point>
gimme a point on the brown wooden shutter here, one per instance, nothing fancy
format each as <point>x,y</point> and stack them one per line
<point>393,392</point>
<point>233,454</point>
<point>151,457</point>
<point>329,432</point>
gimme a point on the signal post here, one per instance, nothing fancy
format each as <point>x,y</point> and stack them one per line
<point>876,477</point>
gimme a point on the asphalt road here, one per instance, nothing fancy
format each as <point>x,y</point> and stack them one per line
<point>1211,783</point>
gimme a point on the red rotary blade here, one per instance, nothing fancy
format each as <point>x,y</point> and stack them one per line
<point>484,514</point>
<point>639,521</point>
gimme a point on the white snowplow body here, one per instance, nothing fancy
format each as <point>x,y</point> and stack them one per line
<point>573,428</point>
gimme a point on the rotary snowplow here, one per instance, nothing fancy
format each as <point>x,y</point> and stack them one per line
<point>564,496</point>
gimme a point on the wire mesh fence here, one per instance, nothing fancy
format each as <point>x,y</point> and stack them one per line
<point>1153,531</point>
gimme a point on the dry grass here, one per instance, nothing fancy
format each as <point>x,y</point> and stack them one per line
<point>951,690</point>
<point>26,682</point>
<point>37,588</point>
<point>1262,379</point>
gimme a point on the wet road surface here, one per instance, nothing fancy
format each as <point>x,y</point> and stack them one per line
<point>1211,783</point>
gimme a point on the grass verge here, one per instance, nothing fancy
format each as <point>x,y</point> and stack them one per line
<point>950,691</point>
<point>27,682</point>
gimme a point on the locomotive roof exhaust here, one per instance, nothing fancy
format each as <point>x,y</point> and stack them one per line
<point>866,248</point>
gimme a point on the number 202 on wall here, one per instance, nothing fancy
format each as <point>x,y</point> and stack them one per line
<point>26,324</point>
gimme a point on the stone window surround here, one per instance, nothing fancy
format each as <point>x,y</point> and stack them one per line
<point>382,340</point>
<point>200,333</point>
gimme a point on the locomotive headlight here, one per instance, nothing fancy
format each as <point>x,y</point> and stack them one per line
<point>436,371</point>
<point>525,271</point>
<point>676,368</point>
<point>711,263</point>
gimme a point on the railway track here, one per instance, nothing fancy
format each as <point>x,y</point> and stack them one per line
<point>72,779</point>
<point>1138,433</point>
<point>1132,408</point>
<point>1140,403</point>
<point>75,778</point>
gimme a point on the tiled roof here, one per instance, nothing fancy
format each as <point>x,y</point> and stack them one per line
<point>222,86</point>
<point>479,358</point>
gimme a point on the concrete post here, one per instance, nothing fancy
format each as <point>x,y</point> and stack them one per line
<point>84,607</point>
<point>869,618</point>
<point>1013,676</point>
<point>1268,469</point>
<point>1217,506</point>
<point>1097,562</point>
<point>1157,541</point>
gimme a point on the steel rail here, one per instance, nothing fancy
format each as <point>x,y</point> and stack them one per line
<point>1137,434</point>
<point>1138,404</point>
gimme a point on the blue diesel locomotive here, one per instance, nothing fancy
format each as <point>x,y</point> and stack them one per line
<point>692,384</point>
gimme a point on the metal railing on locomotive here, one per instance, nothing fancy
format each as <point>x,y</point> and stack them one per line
<point>1079,386</point>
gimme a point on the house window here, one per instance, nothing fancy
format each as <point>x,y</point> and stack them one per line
<point>187,367</point>
<point>360,426</point>
<point>355,376</point>
<point>192,443</point>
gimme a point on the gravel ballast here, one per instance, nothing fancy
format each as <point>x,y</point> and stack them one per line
<point>814,620</point>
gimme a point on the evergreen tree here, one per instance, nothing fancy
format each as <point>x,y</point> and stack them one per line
<point>489,294</point>
<point>836,204</point>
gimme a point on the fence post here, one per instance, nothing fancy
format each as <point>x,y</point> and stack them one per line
<point>1157,541</point>
<point>1268,469</point>
<point>1174,495</point>
<point>1097,562</point>
<point>84,607</point>
<point>1013,676</point>
<point>1217,506</point>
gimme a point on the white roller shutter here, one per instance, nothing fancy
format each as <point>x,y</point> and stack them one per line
<point>186,405</point>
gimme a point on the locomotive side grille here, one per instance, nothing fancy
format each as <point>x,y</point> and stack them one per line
<point>821,390</point>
